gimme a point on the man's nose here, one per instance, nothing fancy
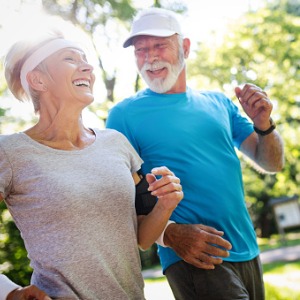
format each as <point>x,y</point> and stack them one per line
<point>151,54</point>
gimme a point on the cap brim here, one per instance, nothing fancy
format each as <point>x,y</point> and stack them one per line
<point>153,32</point>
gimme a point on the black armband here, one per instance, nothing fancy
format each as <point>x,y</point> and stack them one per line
<point>144,201</point>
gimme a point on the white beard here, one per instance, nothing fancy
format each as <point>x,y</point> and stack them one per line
<point>163,85</point>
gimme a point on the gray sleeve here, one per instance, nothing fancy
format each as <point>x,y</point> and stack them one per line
<point>135,160</point>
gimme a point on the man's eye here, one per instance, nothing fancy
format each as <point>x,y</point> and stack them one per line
<point>161,45</point>
<point>69,58</point>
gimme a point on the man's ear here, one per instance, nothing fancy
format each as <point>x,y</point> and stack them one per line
<point>36,81</point>
<point>186,47</point>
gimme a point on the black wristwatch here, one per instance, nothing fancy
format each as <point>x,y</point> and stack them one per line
<point>268,131</point>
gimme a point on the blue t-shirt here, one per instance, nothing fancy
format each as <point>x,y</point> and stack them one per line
<point>194,134</point>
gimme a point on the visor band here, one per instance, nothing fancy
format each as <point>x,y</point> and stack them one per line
<point>39,55</point>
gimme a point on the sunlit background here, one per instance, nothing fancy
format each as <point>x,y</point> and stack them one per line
<point>233,41</point>
<point>20,18</point>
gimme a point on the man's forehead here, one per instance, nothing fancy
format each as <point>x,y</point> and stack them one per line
<point>144,38</point>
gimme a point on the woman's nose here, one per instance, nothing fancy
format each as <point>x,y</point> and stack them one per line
<point>86,67</point>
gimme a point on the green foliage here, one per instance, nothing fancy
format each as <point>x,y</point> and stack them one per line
<point>90,13</point>
<point>261,48</point>
<point>13,256</point>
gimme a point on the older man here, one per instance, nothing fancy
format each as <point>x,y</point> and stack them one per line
<point>209,249</point>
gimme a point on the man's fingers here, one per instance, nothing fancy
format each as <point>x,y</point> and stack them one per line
<point>211,229</point>
<point>238,91</point>
<point>204,261</point>
<point>200,264</point>
<point>214,237</point>
<point>214,251</point>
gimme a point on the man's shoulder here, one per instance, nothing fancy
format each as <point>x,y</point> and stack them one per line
<point>208,93</point>
<point>132,99</point>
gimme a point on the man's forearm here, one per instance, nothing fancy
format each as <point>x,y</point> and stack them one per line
<point>270,152</point>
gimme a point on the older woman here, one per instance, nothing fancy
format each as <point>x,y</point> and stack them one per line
<point>70,189</point>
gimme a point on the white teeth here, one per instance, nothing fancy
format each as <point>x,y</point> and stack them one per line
<point>156,66</point>
<point>81,82</point>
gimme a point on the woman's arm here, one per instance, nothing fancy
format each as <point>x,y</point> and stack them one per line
<point>169,193</point>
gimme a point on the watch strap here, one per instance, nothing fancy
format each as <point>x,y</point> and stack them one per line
<point>268,131</point>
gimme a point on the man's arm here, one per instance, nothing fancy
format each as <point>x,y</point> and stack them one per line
<point>265,146</point>
<point>265,151</point>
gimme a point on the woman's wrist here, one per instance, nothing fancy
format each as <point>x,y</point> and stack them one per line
<point>160,240</point>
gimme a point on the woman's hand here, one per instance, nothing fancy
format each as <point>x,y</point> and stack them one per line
<point>167,188</point>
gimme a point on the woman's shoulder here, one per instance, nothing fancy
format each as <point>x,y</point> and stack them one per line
<point>109,133</point>
<point>106,132</point>
<point>8,139</point>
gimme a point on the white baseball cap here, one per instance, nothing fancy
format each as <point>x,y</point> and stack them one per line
<point>154,22</point>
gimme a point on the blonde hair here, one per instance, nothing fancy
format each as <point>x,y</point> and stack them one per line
<point>14,60</point>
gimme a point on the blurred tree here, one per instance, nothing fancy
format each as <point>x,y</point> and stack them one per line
<point>98,18</point>
<point>261,48</point>
<point>105,19</point>
<point>2,89</point>
<point>13,256</point>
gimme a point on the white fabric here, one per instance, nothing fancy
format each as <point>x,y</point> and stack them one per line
<point>158,24</point>
<point>6,286</point>
<point>160,240</point>
<point>39,55</point>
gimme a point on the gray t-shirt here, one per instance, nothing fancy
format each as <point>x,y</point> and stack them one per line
<point>75,211</point>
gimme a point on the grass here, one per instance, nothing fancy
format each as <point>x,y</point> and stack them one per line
<point>282,280</point>
<point>275,241</point>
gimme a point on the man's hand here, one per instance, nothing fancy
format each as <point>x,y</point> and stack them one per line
<point>256,105</point>
<point>30,292</point>
<point>199,245</point>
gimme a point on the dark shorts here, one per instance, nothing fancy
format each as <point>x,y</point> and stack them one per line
<point>228,281</point>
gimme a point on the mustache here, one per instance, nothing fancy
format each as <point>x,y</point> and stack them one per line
<point>155,66</point>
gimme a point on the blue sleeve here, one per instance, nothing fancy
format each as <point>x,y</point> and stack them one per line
<point>241,126</point>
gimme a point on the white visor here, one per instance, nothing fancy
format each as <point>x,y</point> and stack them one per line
<point>39,55</point>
